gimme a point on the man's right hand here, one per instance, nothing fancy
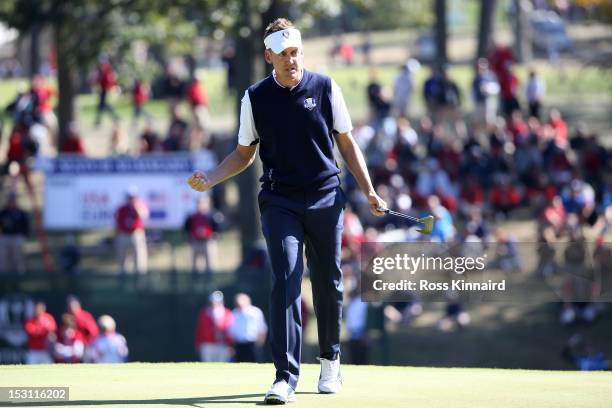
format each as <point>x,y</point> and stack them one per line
<point>198,181</point>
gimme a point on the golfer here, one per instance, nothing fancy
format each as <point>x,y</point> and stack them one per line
<point>295,116</point>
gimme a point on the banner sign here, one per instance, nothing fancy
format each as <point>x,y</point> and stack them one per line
<point>84,193</point>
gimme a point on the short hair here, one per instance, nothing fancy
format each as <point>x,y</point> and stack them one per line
<point>107,323</point>
<point>278,25</point>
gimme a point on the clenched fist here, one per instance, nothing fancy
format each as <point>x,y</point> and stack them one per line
<point>198,181</point>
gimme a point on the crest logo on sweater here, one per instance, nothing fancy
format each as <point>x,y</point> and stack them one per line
<point>310,104</point>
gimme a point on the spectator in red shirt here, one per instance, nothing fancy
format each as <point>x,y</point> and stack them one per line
<point>554,215</point>
<point>197,96</point>
<point>500,58</point>
<point>518,128</point>
<point>347,53</point>
<point>505,197</point>
<point>131,242</point>
<point>16,146</point>
<point>201,227</point>
<point>73,143</point>
<point>560,127</point>
<point>140,96</point>
<point>450,159</point>
<point>106,81</point>
<point>70,345</point>
<point>509,84</point>
<point>353,234</point>
<point>212,340</point>
<point>472,196</point>
<point>84,322</point>
<point>41,333</point>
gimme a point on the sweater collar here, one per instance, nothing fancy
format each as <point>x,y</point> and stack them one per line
<point>284,87</point>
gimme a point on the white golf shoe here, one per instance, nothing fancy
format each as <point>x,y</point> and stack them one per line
<point>280,393</point>
<point>330,380</point>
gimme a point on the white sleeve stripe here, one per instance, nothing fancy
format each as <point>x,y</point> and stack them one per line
<point>342,118</point>
<point>247,133</point>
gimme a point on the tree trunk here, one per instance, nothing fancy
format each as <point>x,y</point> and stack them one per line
<point>486,26</point>
<point>522,37</point>
<point>34,49</point>
<point>66,80</point>
<point>441,32</point>
<point>246,46</point>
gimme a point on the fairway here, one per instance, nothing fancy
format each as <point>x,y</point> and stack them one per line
<point>235,385</point>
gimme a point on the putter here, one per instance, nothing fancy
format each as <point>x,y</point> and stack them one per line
<point>426,223</point>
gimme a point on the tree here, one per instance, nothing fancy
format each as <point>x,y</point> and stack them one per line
<point>247,33</point>
<point>522,37</point>
<point>441,32</point>
<point>27,16</point>
<point>486,26</point>
<point>80,27</point>
<point>381,15</point>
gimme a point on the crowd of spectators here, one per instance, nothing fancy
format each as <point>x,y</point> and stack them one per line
<point>510,157</point>
<point>78,339</point>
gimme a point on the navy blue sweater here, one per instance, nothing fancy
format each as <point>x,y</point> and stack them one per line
<point>295,134</point>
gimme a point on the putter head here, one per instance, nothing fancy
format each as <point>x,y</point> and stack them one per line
<point>428,223</point>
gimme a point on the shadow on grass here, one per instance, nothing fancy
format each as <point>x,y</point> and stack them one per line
<point>194,402</point>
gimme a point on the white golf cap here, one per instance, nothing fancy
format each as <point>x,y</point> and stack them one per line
<point>281,40</point>
<point>216,296</point>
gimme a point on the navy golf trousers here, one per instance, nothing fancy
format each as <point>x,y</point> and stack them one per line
<point>290,222</point>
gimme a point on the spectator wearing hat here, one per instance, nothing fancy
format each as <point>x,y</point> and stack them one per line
<point>131,242</point>
<point>212,340</point>
<point>14,229</point>
<point>248,329</point>
<point>41,330</point>
<point>109,346</point>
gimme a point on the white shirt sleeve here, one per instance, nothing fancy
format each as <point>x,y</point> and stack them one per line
<point>247,134</point>
<point>342,119</point>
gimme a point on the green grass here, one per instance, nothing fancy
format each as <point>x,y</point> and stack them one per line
<point>199,385</point>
